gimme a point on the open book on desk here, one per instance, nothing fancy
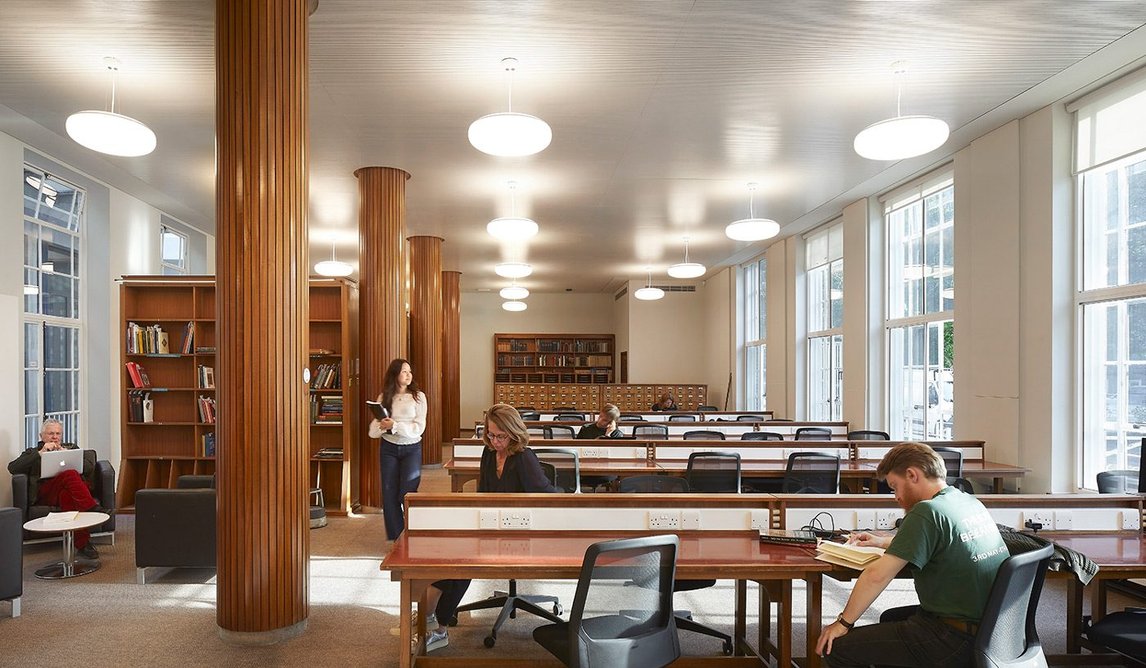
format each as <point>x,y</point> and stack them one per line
<point>858,557</point>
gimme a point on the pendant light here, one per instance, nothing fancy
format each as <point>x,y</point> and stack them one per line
<point>687,269</point>
<point>512,227</point>
<point>514,306</point>
<point>514,292</point>
<point>333,267</point>
<point>649,293</point>
<point>903,136</point>
<point>752,228</point>
<point>109,132</point>
<point>507,133</point>
<point>513,270</point>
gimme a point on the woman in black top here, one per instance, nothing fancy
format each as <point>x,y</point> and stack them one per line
<point>507,465</point>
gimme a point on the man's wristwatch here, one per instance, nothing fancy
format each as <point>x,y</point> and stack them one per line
<point>845,623</point>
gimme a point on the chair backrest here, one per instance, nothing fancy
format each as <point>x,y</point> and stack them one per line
<point>569,417</point>
<point>962,484</point>
<point>651,430</point>
<point>706,407</point>
<point>652,484</point>
<point>529,415</point>
<point>1007,635</point>
<point>564,408</point>
<point>868,435</point>
<point>703,435</point>
<point>525,409</point>
<point>566,464</point>
<point>761,436</point>
<point>536,431</point>
<point>812,473</point>
<point>558,431</point>
<point>751,418</point>
<point>713,472</point>
<point>813,434</point>
<point>1118,482</point>
<point>631,626</point>
<point>682,418</point>
<point>952,461</point>
<point>631,417</point>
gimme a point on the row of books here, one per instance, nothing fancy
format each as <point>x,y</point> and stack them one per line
<point>137,374</point>
<point>207,444</point>
<point>206,377</point>
<point>140,406</point>
<point>325,409</point>
<point>149,340</point>
<point>206,409</point>
<point>327,377</point>
<point>188,338</point>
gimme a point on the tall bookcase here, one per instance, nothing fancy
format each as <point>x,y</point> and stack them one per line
<point>174,435</point>
<point>553,358</point>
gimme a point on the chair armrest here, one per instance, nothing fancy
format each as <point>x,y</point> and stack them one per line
<point>105,491</point>
<point>11,554</point>
<point>20,495</point>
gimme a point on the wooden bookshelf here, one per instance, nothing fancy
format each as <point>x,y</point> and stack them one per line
<point>156,452</point>
<point>590,397</point>
<point>554,358</point>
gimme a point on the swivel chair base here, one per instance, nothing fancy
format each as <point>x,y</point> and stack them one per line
<point>510,602</point>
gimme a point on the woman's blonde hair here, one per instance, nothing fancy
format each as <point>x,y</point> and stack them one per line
<point>508,420</point>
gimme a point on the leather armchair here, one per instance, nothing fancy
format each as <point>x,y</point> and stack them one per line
<point>11,558</point>
<point>103,489</point>
<point>175,528</point>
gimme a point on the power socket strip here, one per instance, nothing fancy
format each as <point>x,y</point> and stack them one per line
<point>664,519</point>
<point>516,519</point>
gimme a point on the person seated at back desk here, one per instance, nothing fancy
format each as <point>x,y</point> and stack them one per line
<point>507,465</point>
<point>605,426</point>
<point>68,490</point>
<point>954,550</point>
<point>665,403</point>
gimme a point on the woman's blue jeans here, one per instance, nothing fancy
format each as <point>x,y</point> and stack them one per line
<point>401,467</point>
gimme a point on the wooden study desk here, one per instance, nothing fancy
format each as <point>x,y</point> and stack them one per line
<point>419,558</point>
<point>974,469</point>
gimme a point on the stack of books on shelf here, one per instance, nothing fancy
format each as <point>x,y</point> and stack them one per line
<point>149,340</point>
<point>327,377</point>
<point>137,375</point>
<point>206,377</point>
<point>140,406</point>
<point>851,556</point>
<point>206,409</point>
<point>326,409</point>
<point>207,443</point>
<point>188,338</point>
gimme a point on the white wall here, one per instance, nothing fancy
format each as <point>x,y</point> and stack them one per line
<point>621,327</point>
<point>781,332</point>
<point>856,330</point>
<point>718,294</point>
<point>667,338</point>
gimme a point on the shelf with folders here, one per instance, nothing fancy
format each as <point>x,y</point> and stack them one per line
<point>553,358</point>
<point>169,401</point>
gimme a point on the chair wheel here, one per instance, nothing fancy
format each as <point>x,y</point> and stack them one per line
<point>558,610</point>
<point>490,641</point>
<point>727,648</point>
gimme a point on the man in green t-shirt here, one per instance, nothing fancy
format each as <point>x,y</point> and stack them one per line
<point>953,549</point>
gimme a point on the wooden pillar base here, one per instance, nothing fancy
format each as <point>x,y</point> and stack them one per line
<point>261,638</point>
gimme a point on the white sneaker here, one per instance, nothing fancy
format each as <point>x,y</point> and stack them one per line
<point>431,620</point>
<point>437,639</point>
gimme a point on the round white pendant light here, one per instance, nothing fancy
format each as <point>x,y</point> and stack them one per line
<point>513,270</point>
<point>333,267</point>
<point>514,293</point>
<point>903,136</point>
<point>752,228</point>
<point>686,269</point>
<point>508,133</point>
<point>109,132</point>
<point>514,306</point>
<point>649,293</point>
<point>512,227</point>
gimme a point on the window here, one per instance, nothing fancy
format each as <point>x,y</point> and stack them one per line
<point>53,218</point>
<point>920,309</point>
<point>1110,182</point>
<point>755,316</point>
<point>172,251</point>
<point>824,265</point>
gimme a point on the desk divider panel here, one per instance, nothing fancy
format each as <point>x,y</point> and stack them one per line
<point>877,449</point>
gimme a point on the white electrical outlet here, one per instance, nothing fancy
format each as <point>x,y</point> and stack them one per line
<point>1130,520</point>
<point>885,519</point>
<point>865,519</point>
<point>1063,520</point>
<point>690,520</point>
<point>1043,517</point>
<point>639,453</point>
<point>516,519</point>
<point>664,519</point>
<point>761,519</point>
<point>594,453</point>
<point>487,519</point>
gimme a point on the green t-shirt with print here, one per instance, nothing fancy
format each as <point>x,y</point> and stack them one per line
<point>955,551</point>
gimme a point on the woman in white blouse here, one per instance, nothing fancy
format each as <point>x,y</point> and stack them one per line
<point>401,448</point>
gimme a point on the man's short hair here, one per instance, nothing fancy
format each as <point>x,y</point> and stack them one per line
<point>611,411</point>
<point>920,455</point>
<point>49,422</point>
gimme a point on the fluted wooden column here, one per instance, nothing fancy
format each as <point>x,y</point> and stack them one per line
<point>382,299</point>
<point>451,355</point>
<point>426,336</point>
<point>262,305</point>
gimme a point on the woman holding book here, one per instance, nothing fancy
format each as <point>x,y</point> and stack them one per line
<point>400,453</point>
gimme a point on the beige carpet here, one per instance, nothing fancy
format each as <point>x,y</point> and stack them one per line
<point>105,619</point>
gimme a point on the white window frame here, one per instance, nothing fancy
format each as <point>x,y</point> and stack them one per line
<point>754,316</point>
<point>823,253</point>
<point>180,268</point>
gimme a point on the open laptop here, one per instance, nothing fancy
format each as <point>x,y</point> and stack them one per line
<point>57,461</point>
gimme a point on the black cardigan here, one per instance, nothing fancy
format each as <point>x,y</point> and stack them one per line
<point>521,473</point>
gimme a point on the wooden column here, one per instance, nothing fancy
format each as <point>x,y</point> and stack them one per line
<point>261,310</point>
<point>451,355</point>
<point>382,300</point>
<point>426,336</point>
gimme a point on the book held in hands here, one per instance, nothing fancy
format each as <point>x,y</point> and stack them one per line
<point>378,410</point>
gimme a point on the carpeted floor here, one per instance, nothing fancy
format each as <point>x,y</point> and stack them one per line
<point>105,618</point>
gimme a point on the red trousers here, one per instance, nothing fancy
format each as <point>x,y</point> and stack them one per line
<point>68,491</point>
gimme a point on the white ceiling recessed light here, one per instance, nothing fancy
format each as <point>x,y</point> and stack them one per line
<point>752,228</point>
<point>109,132</point>
<point>512,227</point>
<point>903,136</point>
<point>514,293</point>
<point>649,293</point>
<point>513,270</point>
<point>508,133</point>
<point>514,306</point>
<point>686,269</point>
<point>333,267</point>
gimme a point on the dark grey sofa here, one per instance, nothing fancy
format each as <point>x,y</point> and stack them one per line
<point>11,558</point>
<point>175,528</point>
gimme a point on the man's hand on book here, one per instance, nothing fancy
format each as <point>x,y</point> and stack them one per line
<point>868,539</point>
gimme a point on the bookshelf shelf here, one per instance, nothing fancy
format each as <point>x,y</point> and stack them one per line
<point>156,453</point>
<point>553,358</point>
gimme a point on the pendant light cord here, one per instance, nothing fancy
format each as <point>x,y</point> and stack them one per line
<point>114,72</point>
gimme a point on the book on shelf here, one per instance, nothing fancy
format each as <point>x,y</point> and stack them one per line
<point>137,375</point>
<point>207,442</point>
<point>329,453</point>
<point>188,338</point>
<point>148,408</point>
<point>327,377</point>
<point>326,409</point>
<point>206,377</point>
<point>858,557</point>
<point>206,409</point>
<point>788,536</point>
<point>147,340</point>
<point>136,409</point>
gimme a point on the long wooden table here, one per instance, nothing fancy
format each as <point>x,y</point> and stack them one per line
<point>419,558</point>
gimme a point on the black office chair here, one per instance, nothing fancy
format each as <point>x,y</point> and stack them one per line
<point>1118,482</point>
<point>813,434</point>
<point>703,435</point>
<point>631,417</point>
<point>569,417</point>
<point>1123,632</point>
<point>713,472</point>
<point>650,431</point>
<point>705,408</point>
<point>525,409</point>
<point>1007,635</point>
<point>761,436</point>
<point>868,435</point>
<point>639,629</point>
<point>565,465</point>
<point>564,408</point>
<point>529,416</point>
<point>751,418</point>
<point>812,473</point>
<point>682,418</point>
<point>952,461</point>
<point>962,484</point>
<point>652,484</point>
<point>558,431</point>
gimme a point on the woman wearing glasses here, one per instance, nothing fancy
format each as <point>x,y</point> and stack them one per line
<point>400,454</point>
<point>507,465</point>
